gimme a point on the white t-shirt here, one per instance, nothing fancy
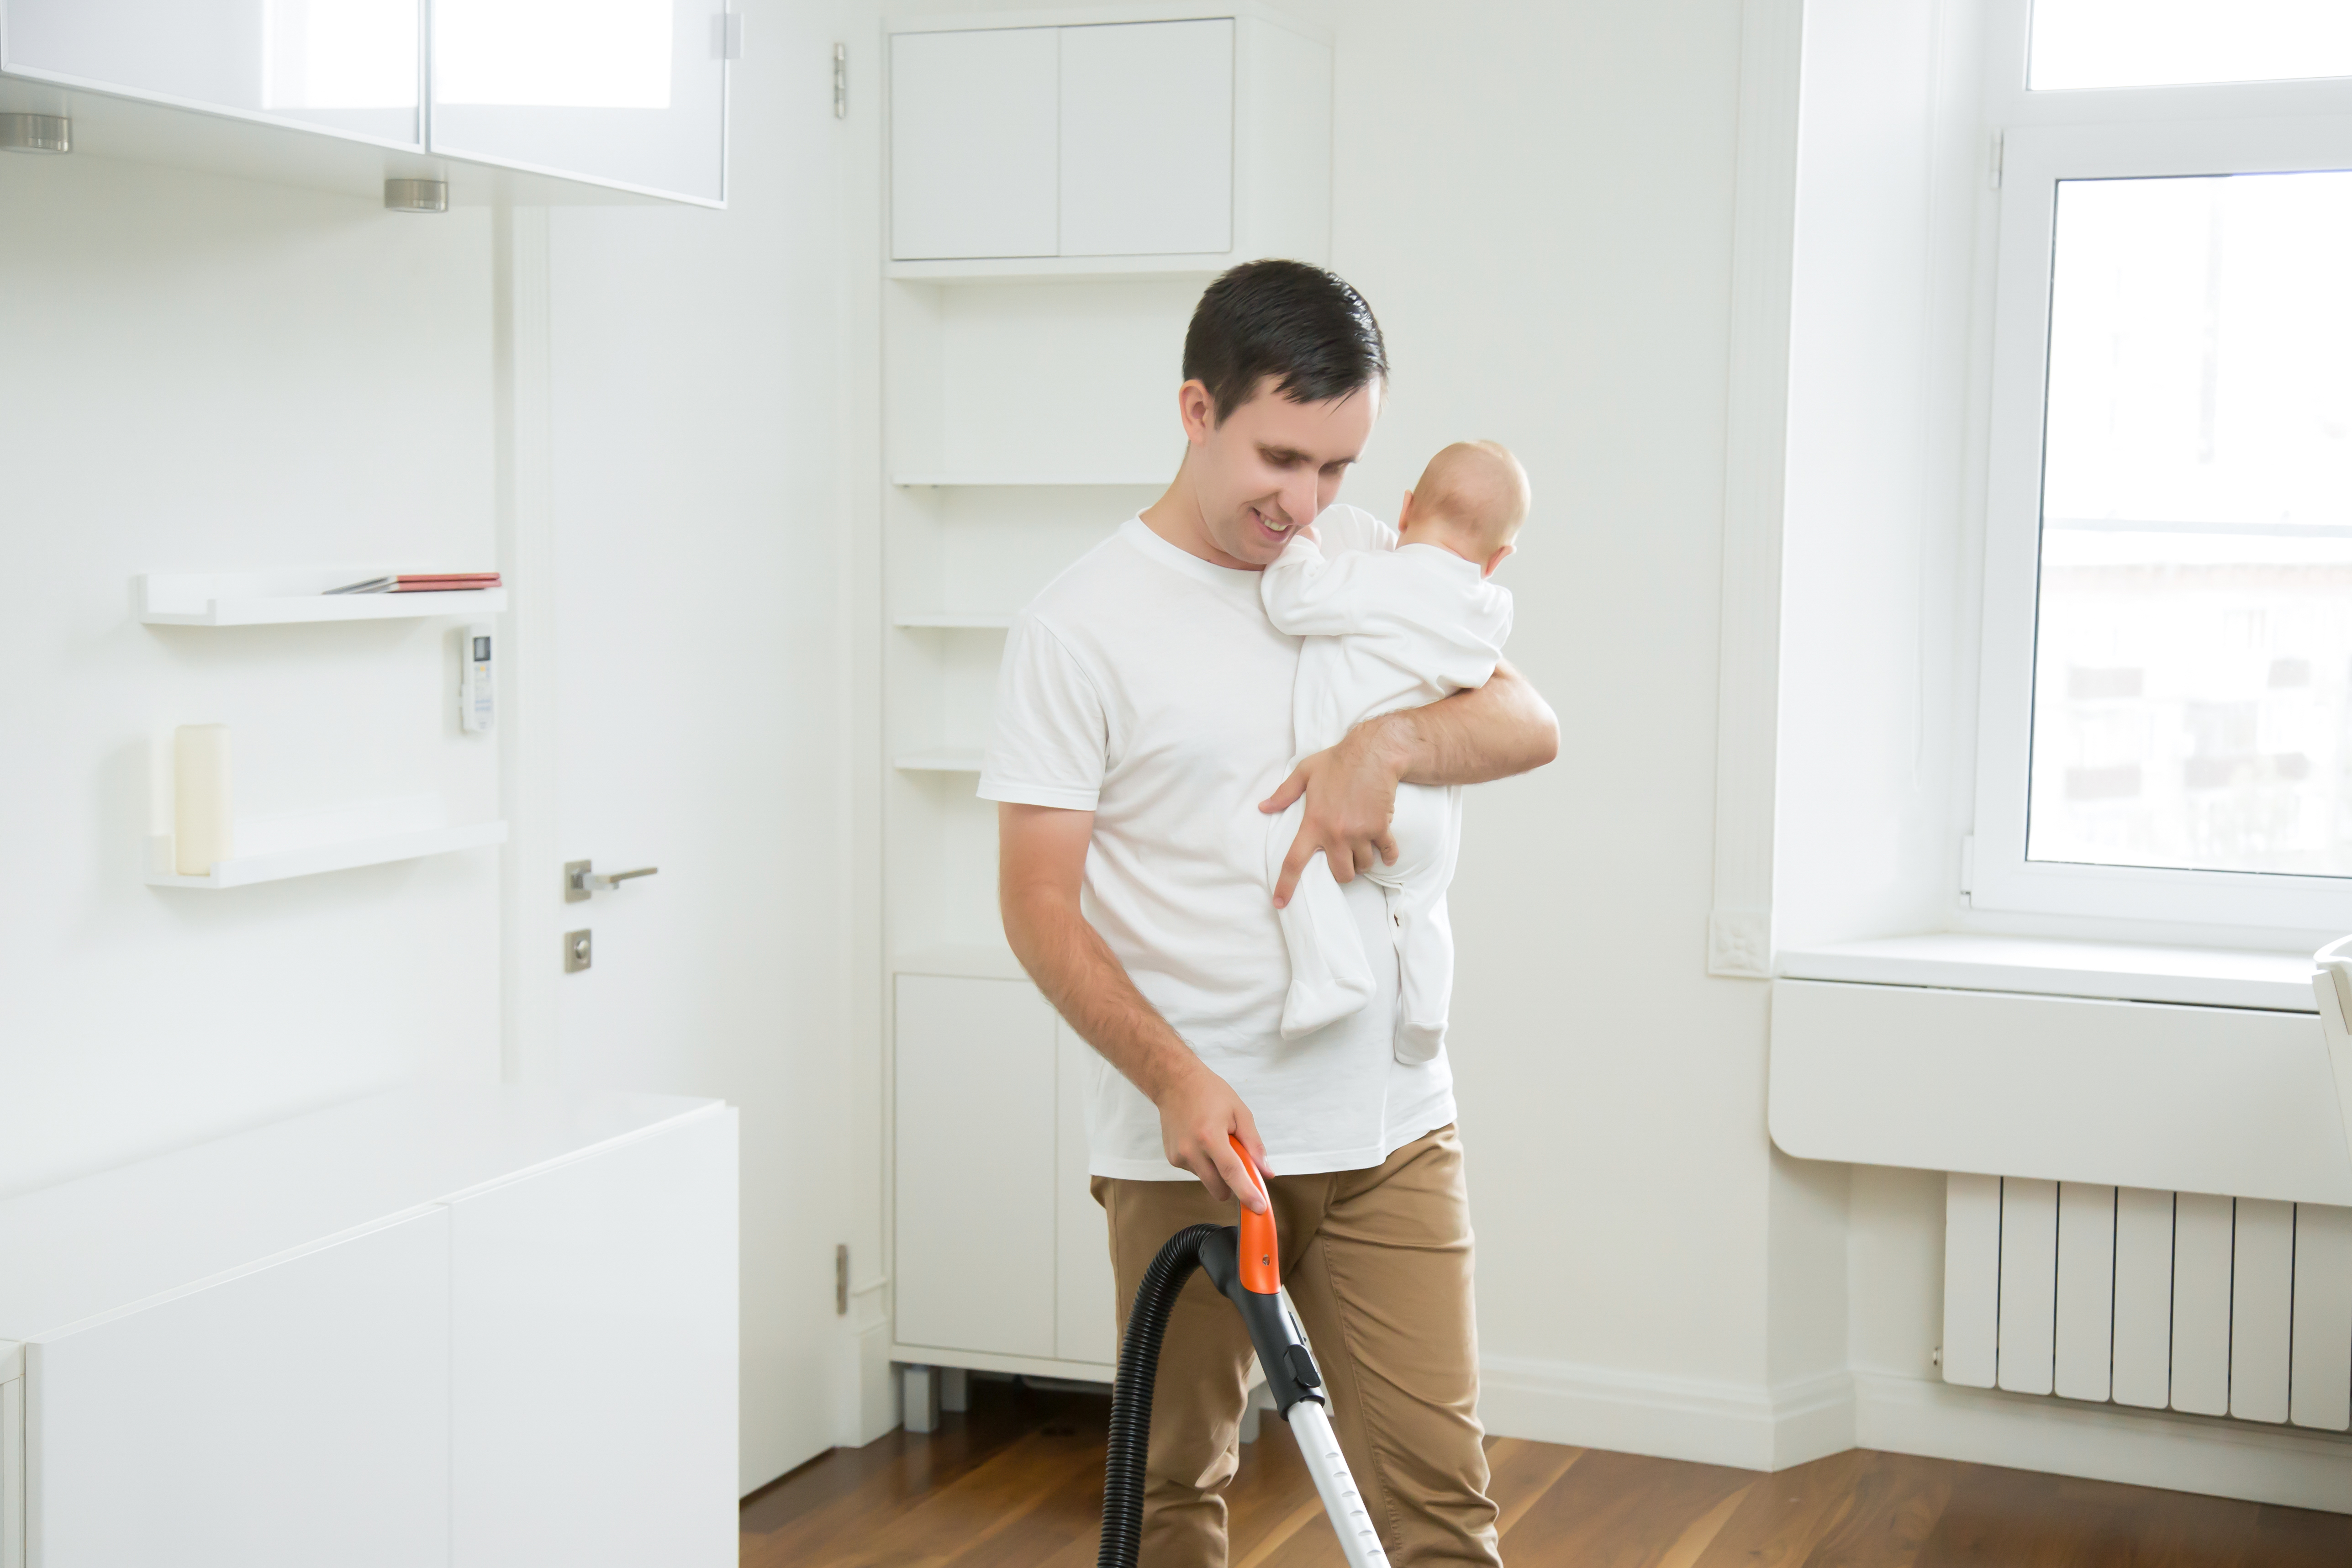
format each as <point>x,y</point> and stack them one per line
<point>1147,685</point>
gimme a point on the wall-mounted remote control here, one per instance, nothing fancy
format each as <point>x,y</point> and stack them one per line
<point>477,686</point>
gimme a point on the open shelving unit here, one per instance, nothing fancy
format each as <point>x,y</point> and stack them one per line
<point>283,598</point>
<point>946,760</point>
<point>1039,481</point>
<point>1028,401</point>
<point>371,833</point>
<point>954,621</point>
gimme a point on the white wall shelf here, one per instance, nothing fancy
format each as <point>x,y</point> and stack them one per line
<point>962,961</point>
<point>1059,269</point>
<point>280,598</point>
<point>372,833</point>
<point>1031,481</point>
<point>956,620</point>
<point>943,760</point>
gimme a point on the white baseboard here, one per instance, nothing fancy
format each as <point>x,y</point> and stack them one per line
<point>2286,1465</point>
<point>1756,1428</point>
<point>1746,1426</point>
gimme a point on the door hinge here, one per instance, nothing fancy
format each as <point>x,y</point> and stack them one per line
<point>841,1280</point>
<point>1968,863</point>
<point>2000,149</point>
<point>841,81</point>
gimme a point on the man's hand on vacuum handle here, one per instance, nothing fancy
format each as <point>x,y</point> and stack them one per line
<point>1490,732</point>
<point>1200,1116</point>
<point>1041,860</point>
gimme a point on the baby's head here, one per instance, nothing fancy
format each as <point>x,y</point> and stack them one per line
<point>1471,501</point>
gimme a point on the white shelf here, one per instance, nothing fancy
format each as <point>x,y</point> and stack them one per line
<point>956,620</point>
<point>944,760</point>
<point>372,833</point>
<point>1059,269</point>
<point>965,960</point>
<point>280,598</point>
<point>1029,481</point>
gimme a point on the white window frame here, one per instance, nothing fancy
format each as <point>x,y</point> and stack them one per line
<point>2113,134</point>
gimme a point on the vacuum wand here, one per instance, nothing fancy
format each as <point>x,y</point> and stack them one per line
<point>1242,1263</point>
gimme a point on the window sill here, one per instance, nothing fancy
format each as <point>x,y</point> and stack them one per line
<point>2046,966</point>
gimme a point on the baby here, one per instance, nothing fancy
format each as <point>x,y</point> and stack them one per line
<point>1388,629</point>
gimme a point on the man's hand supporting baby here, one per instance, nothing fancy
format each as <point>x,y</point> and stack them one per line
<point>1489,732</point>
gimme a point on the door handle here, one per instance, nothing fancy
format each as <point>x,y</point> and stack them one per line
<point>580,880</point>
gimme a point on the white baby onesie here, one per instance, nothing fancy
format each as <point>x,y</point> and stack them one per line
<point>1385,629</point>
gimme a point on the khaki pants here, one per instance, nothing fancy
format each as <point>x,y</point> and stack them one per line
<point>1378,1264</point>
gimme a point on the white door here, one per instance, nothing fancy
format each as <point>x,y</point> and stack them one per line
<point>973,143</point>
<point>631,94</point>
<point>592,1349</point>
<point>1147,137</point>
<point>974,1088</point>
<point>1086,1321</point>
<point>700,699</point>
<point>217,1429</point>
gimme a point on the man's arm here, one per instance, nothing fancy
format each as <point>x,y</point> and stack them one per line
<point>1490,731</point>
<point>1041,859</point>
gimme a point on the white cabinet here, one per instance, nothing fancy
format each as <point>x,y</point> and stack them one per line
<point>1085,1292</point>
<point>1146,145</point>
<point>1002,1257</point>
<point>630,93</point>
<point>973,143</point>
<point>592,1388</point>
<point>975,1167</point>
<point>350,66</point>
<point>252,1419</point>
<point>480,1326</point>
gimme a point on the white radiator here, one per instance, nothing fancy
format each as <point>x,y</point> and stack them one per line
<point>2217,1306</point>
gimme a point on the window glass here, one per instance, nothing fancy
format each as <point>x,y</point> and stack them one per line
<point>2158,43</point>
<point>2193,655</point>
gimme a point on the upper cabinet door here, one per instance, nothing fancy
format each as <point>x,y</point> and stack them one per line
<point>1147,139</point>
<point>630,93</point>
<point>973,143</point>
<point>349,66</point>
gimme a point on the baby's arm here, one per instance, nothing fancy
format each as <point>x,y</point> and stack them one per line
<point>1306,595</point>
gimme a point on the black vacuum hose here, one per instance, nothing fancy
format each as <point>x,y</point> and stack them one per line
<point>1131,1397</point>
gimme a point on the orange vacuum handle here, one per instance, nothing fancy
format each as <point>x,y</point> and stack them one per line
<point>1260,1254</point>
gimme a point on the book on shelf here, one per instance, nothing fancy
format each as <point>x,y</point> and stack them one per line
<point>421,583</point>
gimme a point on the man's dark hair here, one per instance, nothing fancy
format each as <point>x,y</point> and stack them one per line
<point>1306,327</point>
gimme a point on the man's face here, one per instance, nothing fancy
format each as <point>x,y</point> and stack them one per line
<point>1270,466</point>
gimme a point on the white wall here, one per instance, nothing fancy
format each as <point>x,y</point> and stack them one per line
<point>1537,201</point>
<point>213,374</point>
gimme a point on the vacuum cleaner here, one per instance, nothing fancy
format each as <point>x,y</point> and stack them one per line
<point>1241,1262</point>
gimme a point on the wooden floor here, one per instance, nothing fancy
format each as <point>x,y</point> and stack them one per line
<point>1017,1483</point>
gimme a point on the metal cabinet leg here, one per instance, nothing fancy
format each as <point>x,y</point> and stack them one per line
<point>922,1390</point>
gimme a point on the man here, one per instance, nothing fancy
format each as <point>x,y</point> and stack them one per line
<point>1143,713</point>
